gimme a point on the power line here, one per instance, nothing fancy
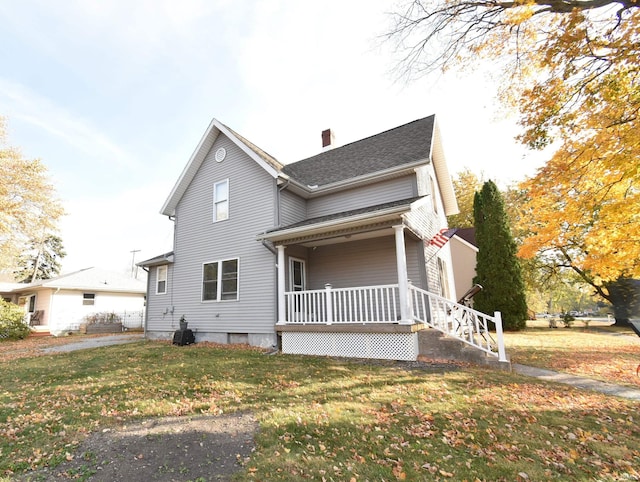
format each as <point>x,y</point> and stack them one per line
<point>134,268</point>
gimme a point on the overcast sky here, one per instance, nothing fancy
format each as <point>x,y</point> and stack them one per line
<point>114,95</point>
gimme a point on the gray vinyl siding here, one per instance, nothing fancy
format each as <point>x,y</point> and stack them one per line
<point>368,262</point>
<point>293,208</point>
<point>370,195</point>
<point>157,305</point>
<point>199,240</point>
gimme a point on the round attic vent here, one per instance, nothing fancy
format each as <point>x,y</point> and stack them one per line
<point>221,154</point>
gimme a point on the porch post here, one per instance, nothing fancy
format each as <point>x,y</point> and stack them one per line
<point>502,354</point>
<point>282,312</point>
<point>403,284</point>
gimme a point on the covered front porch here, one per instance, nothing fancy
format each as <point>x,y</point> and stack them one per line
<point>364,288</point>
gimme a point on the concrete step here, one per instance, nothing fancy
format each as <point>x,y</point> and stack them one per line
<point>39,333</point>
<point>433,344</point>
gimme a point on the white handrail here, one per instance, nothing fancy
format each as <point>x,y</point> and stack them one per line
<point>381,304</point>
<point>364,304</point>
<point>458,321</point>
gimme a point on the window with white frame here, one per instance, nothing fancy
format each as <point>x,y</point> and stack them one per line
<point>444,278</point>
<point>221,200</point>
<point>434,197</point>
<point>220,280</point>
<point>161,282</point>
<point>88,298</point>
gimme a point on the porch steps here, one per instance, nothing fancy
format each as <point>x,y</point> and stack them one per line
<point>39,334</point>
<point>433,344</point>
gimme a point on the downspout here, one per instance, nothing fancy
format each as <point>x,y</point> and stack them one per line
<point>271,248</point>
<point>146,307</point>
<point>51,306</point>
<point>278,191</point>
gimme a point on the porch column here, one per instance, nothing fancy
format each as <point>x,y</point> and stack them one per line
<point>403,283</point>
<point>282,312</point>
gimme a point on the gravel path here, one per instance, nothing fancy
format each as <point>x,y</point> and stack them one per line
<point>202,448</point>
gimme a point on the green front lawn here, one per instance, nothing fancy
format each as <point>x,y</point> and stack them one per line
<point>324,419</point>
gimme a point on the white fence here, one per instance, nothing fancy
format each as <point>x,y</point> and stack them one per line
<point>130,320</point>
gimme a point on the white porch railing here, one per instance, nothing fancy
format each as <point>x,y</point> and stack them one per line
<point>366,304</point>
<point>381,304</point>
<point>458,321</point>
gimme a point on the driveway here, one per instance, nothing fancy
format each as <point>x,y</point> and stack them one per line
<point>96,342</point>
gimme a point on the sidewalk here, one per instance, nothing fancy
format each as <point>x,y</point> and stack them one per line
<point>578,382</point>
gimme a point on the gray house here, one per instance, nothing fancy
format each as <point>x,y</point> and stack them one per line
<point>330,255</point>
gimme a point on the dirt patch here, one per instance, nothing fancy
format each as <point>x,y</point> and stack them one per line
<point>203,448</point>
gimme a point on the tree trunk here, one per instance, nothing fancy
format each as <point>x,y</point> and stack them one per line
<point>624,295</point>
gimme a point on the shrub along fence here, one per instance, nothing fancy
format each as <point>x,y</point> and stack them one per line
<point>112,322</point>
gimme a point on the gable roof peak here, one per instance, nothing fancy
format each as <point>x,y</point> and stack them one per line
<point>215,128</point>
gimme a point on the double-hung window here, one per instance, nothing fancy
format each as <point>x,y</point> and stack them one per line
<point>88,298</point>
<point>161,282</point>
<point>221,200</point>
<point>220,280</point>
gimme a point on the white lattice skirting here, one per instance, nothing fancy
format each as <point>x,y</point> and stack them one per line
<point>384,346</point>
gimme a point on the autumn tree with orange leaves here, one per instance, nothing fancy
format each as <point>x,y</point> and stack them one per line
<point>571,70</point>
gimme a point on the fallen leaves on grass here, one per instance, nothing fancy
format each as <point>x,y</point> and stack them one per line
<point>612,358</point>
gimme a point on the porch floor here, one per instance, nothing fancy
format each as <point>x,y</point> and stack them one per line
<point>352,328</point>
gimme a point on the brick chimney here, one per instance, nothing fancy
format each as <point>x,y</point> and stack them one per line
<point>328,139</point>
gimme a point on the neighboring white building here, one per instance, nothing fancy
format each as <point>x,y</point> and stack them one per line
<point>463,253</point>
<point>59,305</point>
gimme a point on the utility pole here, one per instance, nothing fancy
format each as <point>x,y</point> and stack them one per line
<point>134,268</point>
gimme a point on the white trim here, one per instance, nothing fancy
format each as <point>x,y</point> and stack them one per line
<point>187,174</point>
<point>93,300</point>
<point>403,277</point>
<point>158,279</point>
<point>443,178</point>
<point>247,150</point>
<point>308,192</point>
<point>218,299</point>
<point>197,158</point>
<point>464,242</point>
<point>304,272</point>
<point>281,285</point>
<point>340,223</point>
<point>221,153</point>
<point>227,200</point>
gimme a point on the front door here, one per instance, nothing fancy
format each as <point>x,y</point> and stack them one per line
<point>297,275</point>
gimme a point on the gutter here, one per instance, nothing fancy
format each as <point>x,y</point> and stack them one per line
<point>287,233</point>
<point>312,191</point>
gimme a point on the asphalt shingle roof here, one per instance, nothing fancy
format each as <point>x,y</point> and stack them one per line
<point>402,145</point>
<point>346,214</point>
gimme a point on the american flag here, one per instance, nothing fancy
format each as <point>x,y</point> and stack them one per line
<point>441,238</point>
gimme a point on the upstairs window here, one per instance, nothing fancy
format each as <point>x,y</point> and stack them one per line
<point>88,299</point>
<point>221,201</point>
<point>434,194</point>
<point>161,284</point>
<point>220,280</point>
